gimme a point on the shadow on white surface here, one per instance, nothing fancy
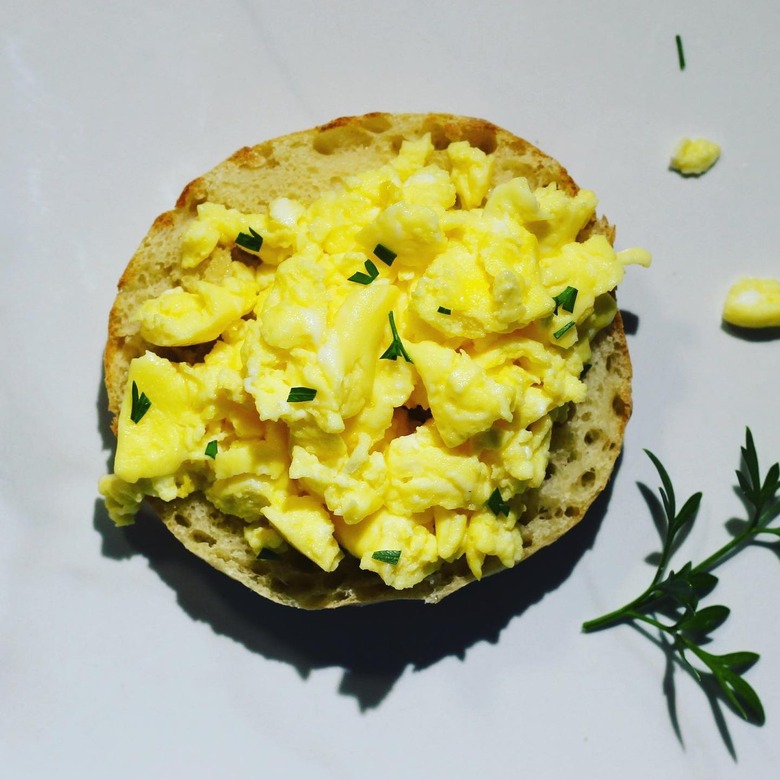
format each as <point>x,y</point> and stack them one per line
<point>373,644</point>
<point>749,334</point>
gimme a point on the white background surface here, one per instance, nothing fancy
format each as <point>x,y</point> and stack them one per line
<point>120,655</point>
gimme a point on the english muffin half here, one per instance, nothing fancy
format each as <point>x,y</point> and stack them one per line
<point>428,243</point>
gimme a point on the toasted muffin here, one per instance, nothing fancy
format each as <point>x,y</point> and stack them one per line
<point>585,443</point>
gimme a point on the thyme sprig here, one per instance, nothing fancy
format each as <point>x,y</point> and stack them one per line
<point>671,603</point>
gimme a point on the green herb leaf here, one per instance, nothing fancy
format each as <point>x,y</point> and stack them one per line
<point>565,300</point>
<point>740,661</point>
<point>251,241</point>
<point>365,278</point>
<point>678,594</point>
<point>705,620</point>
<point>496,503</point>
<point>298,394</point>
<point>680,52</point>
<point>387,556</point>
<point>759,493</point>
<point>678,588</point>
<point>211,449</point>
<point>564,330</point>
<point>267,554</point>
<point>384,254</point>
<point>443,310</point>
<point>140,404</point>
<point>743,697</point>
<point>396,348</point>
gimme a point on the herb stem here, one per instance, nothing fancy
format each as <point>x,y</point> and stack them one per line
<point>623,614</point>
<point>724,553</point>
<point>728,549</point>
<point>650,621</point>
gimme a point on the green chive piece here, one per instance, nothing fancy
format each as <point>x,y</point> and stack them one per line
<point>680,52</point>
<point>566,300</point>
<point>496,504</point>
<point>140,404</point>
<point>211,449</point>
<point>396,348</point>
<point>267,554</point>
<point>443,310</point>
<point>387,556</point>
<point>365,278</point>
<point>384,254</point>
<point>252,242</point>
<point>564,330</point>
<point>298,394</point>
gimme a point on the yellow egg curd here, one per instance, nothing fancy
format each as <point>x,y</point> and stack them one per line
<point>753,303</point>
<point>695,156</point>
<point>385,364</point>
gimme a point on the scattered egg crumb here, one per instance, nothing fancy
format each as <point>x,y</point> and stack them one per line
<point>695,156</point>
<point>753,303</point>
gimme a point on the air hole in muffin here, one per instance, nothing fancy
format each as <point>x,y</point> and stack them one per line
<point>181,520</point>
<point>439,138</point>
<point>483,137</point>
<point>592,435</point>
<point>618,406</point>
<point>478,134</point>
<point>588,478</point>
<point>571,511</point>
<point>395,142</point>
<point>340,137</point>
<point>376,123</point>
<point>201,537</point>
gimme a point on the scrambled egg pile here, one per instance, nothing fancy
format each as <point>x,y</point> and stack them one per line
<point>387,364</point>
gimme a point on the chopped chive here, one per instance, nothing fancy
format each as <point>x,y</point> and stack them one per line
<point>443,310</point>
<point>566,300</point>
<point>365,278</point>
<point>680,52</point>
<point>496,503</point>
<point>384,254</point>
<point>396,348</point>
<point>140,404</point>
<point>387,556</point>
<point>252,242</point>
<point>298,394</point>
<point>211,449</point>
<point>266,553</point>
<point>565,329</point>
